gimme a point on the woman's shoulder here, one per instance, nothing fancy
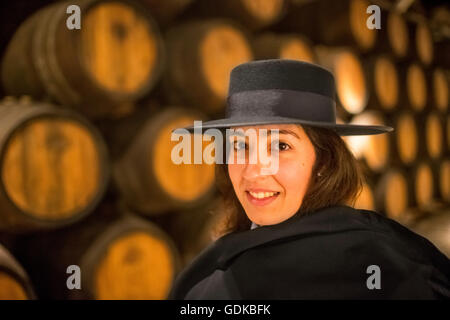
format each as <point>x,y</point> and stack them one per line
<point>381,229</point>
<point>319,250</point>
<point>341,228</point>
<point>337,249</point>
<point>344,226</point>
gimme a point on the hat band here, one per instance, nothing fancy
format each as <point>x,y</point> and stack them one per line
<point>283,103</point>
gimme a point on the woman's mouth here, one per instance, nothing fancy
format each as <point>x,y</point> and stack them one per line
<point>261,198</point>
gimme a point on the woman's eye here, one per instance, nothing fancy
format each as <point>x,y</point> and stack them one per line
<point>240,145</point>
<point>281,146</point>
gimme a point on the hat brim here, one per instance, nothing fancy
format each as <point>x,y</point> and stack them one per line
<point>340,129</point>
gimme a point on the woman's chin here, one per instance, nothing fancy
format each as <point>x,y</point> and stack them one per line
<point>263,219</point>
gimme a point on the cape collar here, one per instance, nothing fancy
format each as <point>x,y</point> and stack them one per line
<point>219,254</point>
<point>325,220</point>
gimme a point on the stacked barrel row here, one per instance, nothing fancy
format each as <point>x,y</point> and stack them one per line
<point>87,171</point>
<point>59,207</point>
<point>388,76</point>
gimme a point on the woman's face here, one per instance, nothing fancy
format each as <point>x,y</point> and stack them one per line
<point>272,198</point>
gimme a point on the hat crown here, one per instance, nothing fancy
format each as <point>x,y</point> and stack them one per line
<point>283,74</point>
<point>283,91</point>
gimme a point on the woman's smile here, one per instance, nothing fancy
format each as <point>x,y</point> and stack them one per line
<point>261,197</point>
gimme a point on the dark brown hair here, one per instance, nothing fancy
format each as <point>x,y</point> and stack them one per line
<point>340,181</point>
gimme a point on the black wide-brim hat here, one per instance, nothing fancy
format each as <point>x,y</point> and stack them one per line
<point>283,91</point>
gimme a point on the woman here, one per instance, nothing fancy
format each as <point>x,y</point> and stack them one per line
<point>292,233</point>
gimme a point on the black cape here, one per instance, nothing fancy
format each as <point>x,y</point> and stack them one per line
<point>322,255</point>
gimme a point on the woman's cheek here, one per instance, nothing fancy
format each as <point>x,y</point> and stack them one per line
<point>293,175</point>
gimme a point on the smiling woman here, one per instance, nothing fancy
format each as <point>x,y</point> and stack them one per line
<point>310,242</point>
<point>316,170</point>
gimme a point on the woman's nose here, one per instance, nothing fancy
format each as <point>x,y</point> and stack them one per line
<point>256,165</point>
<point>252,171</point>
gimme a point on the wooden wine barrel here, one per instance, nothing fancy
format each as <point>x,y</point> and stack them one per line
<point>356,144</point>
<point>300,17</point>
<point>149,181</point>
<point>283,46</point>
<point>120,257</point>
<point>193,230</point>
<point>344,23</point>
<point>115,57</point>
<point>439,92</point>
<point>447,134</point>
<point>200,57</point>
<point>366,198</point>
<point>166,11</point>
<point>434,135</point>
<point>420,179</point>
<point>441,53</point>
<point>383,83</point>
<point>420,35</point>
<point>443,179</point>
<point>393,37</point>
<point>120,132</point>
<point>435,228</point>
<point>391,193</point>
<point>410,216</point>
<point>331,22</point>
<point>375,149</point>
<point>351,87</point>
<point>431,137</point>
<point>139,257</point>
<point>414,87</point>
<point>405,140</point>
<point>14,281</point>
<point>14,13</point>
<point>54,166</point>
<point>253,14</point>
